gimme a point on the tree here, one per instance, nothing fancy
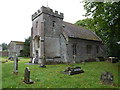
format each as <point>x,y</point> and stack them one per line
<point>106,17</point>
<point>88,23</point>
<point>26,49</point>
<point>4,46</point>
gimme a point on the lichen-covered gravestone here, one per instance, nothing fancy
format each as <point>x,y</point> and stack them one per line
<point>15,64</point>
<point>106,78</point>
<point>27,79</point>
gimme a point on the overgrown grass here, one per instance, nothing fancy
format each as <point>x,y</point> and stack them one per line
<point>51,77</point>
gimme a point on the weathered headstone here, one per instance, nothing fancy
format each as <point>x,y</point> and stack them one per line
<point>73,70</point>
<point>106,78</point>
<point>15,64</point>
<point>27,79</point>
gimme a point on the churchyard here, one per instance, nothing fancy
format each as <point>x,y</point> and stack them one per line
<point>51,76</point>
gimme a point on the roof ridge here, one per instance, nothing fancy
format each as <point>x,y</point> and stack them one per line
<point>75,31</point>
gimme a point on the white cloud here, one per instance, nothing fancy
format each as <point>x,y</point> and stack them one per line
<point>15,18</point>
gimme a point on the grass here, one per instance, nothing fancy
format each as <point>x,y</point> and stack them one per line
<point>3,58</point>
<point>51,77</point>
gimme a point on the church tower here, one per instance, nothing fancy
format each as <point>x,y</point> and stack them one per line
<point>46,30</point>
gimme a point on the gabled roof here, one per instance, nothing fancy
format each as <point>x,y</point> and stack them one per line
<point>74,31</point>
<point>18,42</point>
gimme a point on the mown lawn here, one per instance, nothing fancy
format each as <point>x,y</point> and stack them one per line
<point>51,77</point>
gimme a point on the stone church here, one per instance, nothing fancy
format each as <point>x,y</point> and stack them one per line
<point>58,41</point>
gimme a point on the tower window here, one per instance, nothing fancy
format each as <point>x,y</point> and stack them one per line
<point>36,24</point>
<point>53,23</point>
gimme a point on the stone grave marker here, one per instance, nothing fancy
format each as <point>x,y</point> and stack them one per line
<point>27,79</point>
<point>15,64</point>
<point>106,78</point>
<point>73,70</point>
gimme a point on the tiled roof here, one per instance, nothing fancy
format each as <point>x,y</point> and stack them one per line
<point>74,31</point>
<point>18,42</point>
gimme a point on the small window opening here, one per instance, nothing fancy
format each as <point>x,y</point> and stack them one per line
<point>36,24</point>
<point>97,49</point>
<point>89,49</point>
<point>53,23</point>
<point>74,49</point>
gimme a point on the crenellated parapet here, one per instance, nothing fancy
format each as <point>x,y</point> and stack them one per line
<point>48,11</point>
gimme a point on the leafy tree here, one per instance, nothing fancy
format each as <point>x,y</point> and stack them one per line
<point>106,17</point>
<point>4,46</point>
<point>26,49</point>
<point>88,23</point>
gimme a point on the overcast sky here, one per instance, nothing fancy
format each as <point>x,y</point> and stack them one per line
<point>15,17</point>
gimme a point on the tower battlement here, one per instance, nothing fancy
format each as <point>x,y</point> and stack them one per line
<point>48,11</point>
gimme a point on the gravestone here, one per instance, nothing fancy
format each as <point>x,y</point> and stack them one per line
<point>15,64</point>
<point>106,78</point>
<point>27,79</point>
<point>73,70</point>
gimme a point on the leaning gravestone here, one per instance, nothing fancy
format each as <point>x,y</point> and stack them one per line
<point>73,70</point>
<point>107,78</point>
<point>15,64</point>
<point>27,79</point>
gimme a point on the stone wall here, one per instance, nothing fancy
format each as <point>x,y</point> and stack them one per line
<point>47,26</point>
<point>81,50</point>
<point>3,53</point>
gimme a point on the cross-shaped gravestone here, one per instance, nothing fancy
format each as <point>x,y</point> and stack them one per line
<point>27,79</point>
<point>15,64</point>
